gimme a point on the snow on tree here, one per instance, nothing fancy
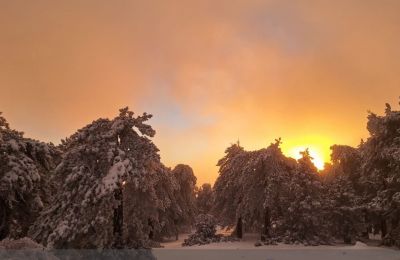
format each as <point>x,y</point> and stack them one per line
<point>245,183</point>
<point>204,198</point>
<point>364,183</point>
<point>25,167</point>
<point>227,187</point>
<point>380,171</point>
<point>206,229</point>
<point>163,206</point>
<point>266,191</point>
<point>257,200</point>
<point>149,207</point>
<point>348,216</point>
<point>98,160</point>
<point>303,208</point>
<point>185,197</point>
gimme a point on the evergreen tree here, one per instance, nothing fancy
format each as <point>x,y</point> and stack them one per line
<point>227,187</point>
<point>204,198</point>
<point>304,209</point>
<point>380,171</point>
<point>347,213</point>
<point>150,207</point>
<point>184,196</point>
<point>266,191</point>
<point>98,160</point>
<point>25,167</point>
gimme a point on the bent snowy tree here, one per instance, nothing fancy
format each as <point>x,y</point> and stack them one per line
<point>380,172</point>
<point>267,192</point>
<point>97,161</point>
<point>25,166</point>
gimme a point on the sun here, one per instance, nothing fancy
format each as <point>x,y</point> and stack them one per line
<point>316,154</point>
<point>318,146</point>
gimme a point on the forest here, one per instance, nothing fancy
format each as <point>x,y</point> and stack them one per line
<point>106,187</point>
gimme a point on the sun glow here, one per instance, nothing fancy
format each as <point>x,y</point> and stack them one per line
<point>318,158</point>
<point>318,147</point>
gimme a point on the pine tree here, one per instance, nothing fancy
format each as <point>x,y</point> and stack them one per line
<point>380,171</point>
<point>25,168</point>
<point>303,211</point>
<point>266,191</point>
<point>227,188</point>
<point>347,212</point>
<point>185,195</point>
<point>204,198</point>
<point>98,161</point>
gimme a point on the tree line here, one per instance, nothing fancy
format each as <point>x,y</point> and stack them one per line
<point>290,201</point>
<point>106,187</point>
<point>102,187</point>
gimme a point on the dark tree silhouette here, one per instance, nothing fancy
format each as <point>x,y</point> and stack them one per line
<point>184,196</point>
<point>204,198</point>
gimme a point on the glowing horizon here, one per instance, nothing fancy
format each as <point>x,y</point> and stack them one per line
<point>317,145</point>
<point>317,158</point>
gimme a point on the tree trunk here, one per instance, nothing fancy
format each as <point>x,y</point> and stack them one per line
<point>4,220</point>
<point>118,218</point>
<point>151,233</point>
<point>346,234</point>
<point>267,225</point>
<point>176,226</point>
<point>239,228</point>
<point>367,228</point>
<point>383,228</point>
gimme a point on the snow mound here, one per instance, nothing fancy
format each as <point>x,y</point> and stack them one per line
<point>359,244</point>
<point>17,244</point>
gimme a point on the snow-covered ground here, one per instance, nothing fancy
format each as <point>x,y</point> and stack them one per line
<point>245,249</point>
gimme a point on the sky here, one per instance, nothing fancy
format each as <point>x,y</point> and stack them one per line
<point>211,72</point>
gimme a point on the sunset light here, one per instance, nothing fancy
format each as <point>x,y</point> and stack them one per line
<point>130,125</point>
<point>318,158</point>
<point>318,145</point>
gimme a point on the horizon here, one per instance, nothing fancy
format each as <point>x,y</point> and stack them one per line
<point>209,73</point>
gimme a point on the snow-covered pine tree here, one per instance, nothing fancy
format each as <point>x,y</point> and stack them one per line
<point>302,206</point>
<point>348,216</point>
<point>184,196</point>
<point>227,189</point>
<point>204,198</point>
<point>380,171</point>
<point>276,191</point>
<point>99,161</point>
<point>25,167</point>
<point>150,207</point>
<point>161,207</point>
<point>260,201</point>
<point>269,192</point>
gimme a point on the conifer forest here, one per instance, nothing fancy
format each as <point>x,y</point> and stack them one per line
<point>106,187</point>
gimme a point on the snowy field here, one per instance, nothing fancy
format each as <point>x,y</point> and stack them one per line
<point>245,249</point>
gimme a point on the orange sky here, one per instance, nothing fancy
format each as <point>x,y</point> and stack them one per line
<point>211,72</point>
